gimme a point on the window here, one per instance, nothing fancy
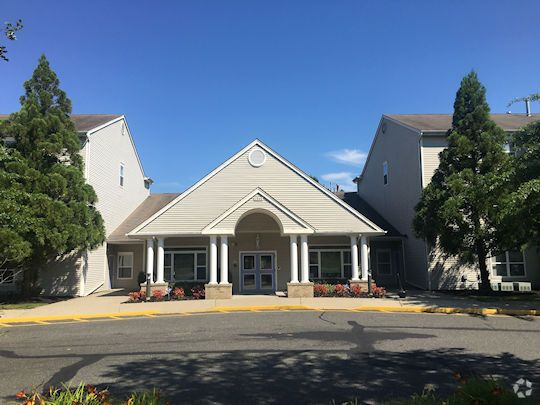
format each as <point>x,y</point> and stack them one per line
<point>384,262</point>
<point>330,262</point>
<point>125,265</point>
<point>185,264</point>
<point>385,173</point>
<point>508,264</point>
<point>7,276</point>
<point>122,174</point>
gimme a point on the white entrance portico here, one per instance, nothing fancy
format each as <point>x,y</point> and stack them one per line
<point>257,224</point>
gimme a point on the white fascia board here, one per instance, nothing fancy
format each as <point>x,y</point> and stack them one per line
<point>280,159</point>
<point>266,196</point>
<point>121,118</point>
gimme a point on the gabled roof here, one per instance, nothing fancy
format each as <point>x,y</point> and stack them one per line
<point>152,204</point>
<point>360,205</point>
<point>141,231</point>
<point>443,122</point>
<point>85,122</point>
<point>289,222</point>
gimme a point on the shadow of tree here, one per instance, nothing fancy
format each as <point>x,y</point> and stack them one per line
<point>308,376</point>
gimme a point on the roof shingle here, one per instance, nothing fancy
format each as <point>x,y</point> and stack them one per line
<point>85,122</point>
<point>443,122</point>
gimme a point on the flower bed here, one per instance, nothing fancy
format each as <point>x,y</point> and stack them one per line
<point>346,290</point>
<point>172,294</point>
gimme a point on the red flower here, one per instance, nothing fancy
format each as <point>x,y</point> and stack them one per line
<point>20,394</point>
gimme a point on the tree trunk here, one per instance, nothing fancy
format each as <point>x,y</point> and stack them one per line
<point>484,273</point>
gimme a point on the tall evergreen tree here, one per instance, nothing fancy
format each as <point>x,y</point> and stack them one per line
<point>43,174</point>
<point>521,217</point>
<point>461,207</point>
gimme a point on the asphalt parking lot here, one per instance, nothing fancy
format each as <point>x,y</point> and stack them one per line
<point>270,357</point>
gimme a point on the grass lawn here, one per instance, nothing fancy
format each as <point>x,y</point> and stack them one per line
<point>22,305</point>
<point>28,303</point>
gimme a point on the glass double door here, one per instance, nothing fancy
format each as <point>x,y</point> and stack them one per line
<point>258,272</point>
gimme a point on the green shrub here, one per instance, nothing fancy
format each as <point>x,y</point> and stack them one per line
<point>88,395</point>
<point>476,390</point>
<point>187,286</point>
<point>141,277</point>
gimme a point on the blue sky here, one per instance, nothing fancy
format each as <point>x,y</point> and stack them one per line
<point>198,80</point>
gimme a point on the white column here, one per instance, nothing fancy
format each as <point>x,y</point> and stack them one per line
<point>224,260</point>
<point>213,260</point>
<point>160,260</point>
<point>304,256</point>
<point>150,259</point>
<point>354,258</point>
<point>364,257</point>
<point>294,259</point>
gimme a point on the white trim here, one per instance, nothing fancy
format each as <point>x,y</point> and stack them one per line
<point>208,229</point>
<point>280,159</point>
<point>383,117</point>
<point>124,254</point>
<point>250,157</point>
<point>195,262</point>
<point>256,252</point>
<point>341,249</point>
<point>113,121</point>
<point>493,261</point>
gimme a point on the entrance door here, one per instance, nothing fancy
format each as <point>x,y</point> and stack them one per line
<point>258,272</point>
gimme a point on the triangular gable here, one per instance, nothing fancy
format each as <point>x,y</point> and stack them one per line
<point>324,211</point>
<point>258,201</point>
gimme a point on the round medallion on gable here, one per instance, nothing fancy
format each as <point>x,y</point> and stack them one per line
<point>257,157</point>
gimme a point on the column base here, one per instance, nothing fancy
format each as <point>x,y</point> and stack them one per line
<point>361,283</point>
<point>155,286</point>
<point>300,290</point>
<point>218,291</point>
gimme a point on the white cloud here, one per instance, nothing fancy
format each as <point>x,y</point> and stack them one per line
<point>354,157</point>
<point>344,179</point>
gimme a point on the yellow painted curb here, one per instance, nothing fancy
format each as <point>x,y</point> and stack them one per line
<point>120,315</point>
<point>257,307</point>
<point>76,317</point>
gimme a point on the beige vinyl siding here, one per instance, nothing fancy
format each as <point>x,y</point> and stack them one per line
<point>62,277</point>
<point>230,185</point>
<point>395,201</point>
<point>431,147</point>
<point>108,148</point>
<point>138,265</point>
<point>287,222</point>
<point>94,272</point>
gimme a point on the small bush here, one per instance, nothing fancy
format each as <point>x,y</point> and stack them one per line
<point>87,395</point>
<point>198,292</point>
<point>141,277</point>
<point>137,296</point>
<point>355,290</point>
<point>157,295</point>
<point>178,293</point>
<point>341,290</point>
<point>378,292</point>
<point>320,290</point>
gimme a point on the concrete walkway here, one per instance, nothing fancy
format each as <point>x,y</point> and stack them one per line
<point>114,302</point>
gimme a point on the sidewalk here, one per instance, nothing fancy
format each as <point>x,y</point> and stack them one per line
<point>114,302</point>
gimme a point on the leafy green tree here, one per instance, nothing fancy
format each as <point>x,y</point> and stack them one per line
<point>521,217</point>
<point>43,187</point>
<point>460,208</point>
<point>9,31</point>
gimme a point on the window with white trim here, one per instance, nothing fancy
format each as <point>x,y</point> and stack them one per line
<point>122,170</point>
<point>7,276</point>
<point>329,262</point>
<point>185,264</point>
<point>508,264</point>
<point>384,261</point>
<point>125,265</point>
<point>385,173</point>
